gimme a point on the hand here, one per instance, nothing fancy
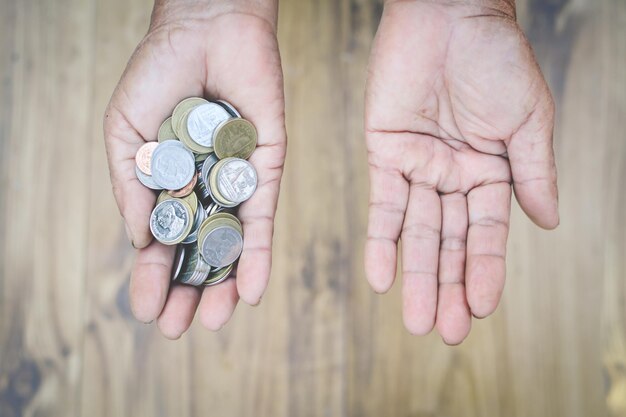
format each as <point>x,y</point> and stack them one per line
<point>215,49</point>
<point>456,110</point>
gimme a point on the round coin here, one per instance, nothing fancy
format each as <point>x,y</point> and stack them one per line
<point>166,132</point>
<point>222,246</point>
<point>171,221</point>
<point>181,108</point>
<point>202,121</point>
<point>218,275</point>
<point>143,157</point>
<point>186,190</point>
<point>229,108</point>
<point>179,258</point>
<point>235,138</point>
<point>198,219</point>
<point>236,180</point>
<point>173,166</point>
<point>146,179</point>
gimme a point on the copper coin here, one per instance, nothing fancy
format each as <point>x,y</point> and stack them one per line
<point>186,190</point>
<point>143,158</point>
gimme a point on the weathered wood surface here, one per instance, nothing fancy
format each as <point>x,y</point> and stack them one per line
<point>321,343</point>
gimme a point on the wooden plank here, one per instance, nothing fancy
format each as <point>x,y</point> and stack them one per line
<point>320,343</point>
<point>45,202</point>
<point>129,369</point>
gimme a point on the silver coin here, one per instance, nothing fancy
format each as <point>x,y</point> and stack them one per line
<point>179,259</point>
<point>173,165</point>
<point>203,120</point>
<point>229,108</point>
<point>219,203</point>
<point>195,270</point>
<point>200,217</point>
<point>169,221</point>
<point>211,160</point>
<point>237,180</point>
<point>222,246</point>
<point>146,180</point>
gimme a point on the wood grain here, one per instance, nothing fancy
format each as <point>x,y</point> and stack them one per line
<point>321,343</point>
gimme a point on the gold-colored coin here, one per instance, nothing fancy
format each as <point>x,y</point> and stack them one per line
<point>234,138</point>
<point>219,275</point>
<point>202,156</point>
<point>187,140</point>
<point>166,132</point>
<point>181,108</point>
<point>191,200</point>
<point>216,221</point>
<point>213,189</point>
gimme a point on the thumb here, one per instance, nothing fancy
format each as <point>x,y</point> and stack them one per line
<point>134,200</point>
<point>532,165</point>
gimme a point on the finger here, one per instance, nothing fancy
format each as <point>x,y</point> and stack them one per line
<point>420,256</point>
<point>151,86</point>
<point>217,304</point>
<point>489,209</point>
<point>533,168</point>
<point>257,218</point>
<point>134,200</point>
<point>179,310</point>
<point>453,315</point>
<point>388,199</point>
<point>150,280</point>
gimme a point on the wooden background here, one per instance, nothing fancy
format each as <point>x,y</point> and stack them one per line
<point>321,343</point>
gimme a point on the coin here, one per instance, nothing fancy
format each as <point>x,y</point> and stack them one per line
<point>202,121</point>
<point>234,138</point>
<point>143,157</point>
<point>218,275</point>
<point>195,270</point>
<point>213,189</point>
<point>186,138</point>
<point>191,200</point>
<point>186,190</point>
<point>222,246</point>
<point>181,108</point>
<point>211,160</point>
<point>173,165</point>
<point>179,259</point>
<point>146,179</point>
<point>200,216</point>
<point>236,180</point>
<point>171,221</point>
<point>166,132</point>
<point>229,108</point>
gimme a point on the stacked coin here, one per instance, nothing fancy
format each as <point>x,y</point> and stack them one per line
<point>200,167</point>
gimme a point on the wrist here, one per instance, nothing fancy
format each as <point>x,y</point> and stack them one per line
<point>167,12</point>
<point>478,7</point>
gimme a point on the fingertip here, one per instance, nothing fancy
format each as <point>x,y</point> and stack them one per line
<point>253,272</point>
<point>482,307</point>
<point>417,327</point>
<point>218,304</point>
<point>146,299</point>
<point>149,281</point>
<point>380,265</point>
<point>178,312</point>
<point>454,320</point>
<point>169,332</point>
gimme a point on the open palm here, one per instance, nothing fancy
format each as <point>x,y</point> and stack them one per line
<point>456,110</point>
<point>230,55</point>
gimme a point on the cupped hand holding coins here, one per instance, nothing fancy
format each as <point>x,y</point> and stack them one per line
<point>197,197</point>
<point>200,166</point>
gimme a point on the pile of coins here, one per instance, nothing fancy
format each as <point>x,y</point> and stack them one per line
<point>200,167</point>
